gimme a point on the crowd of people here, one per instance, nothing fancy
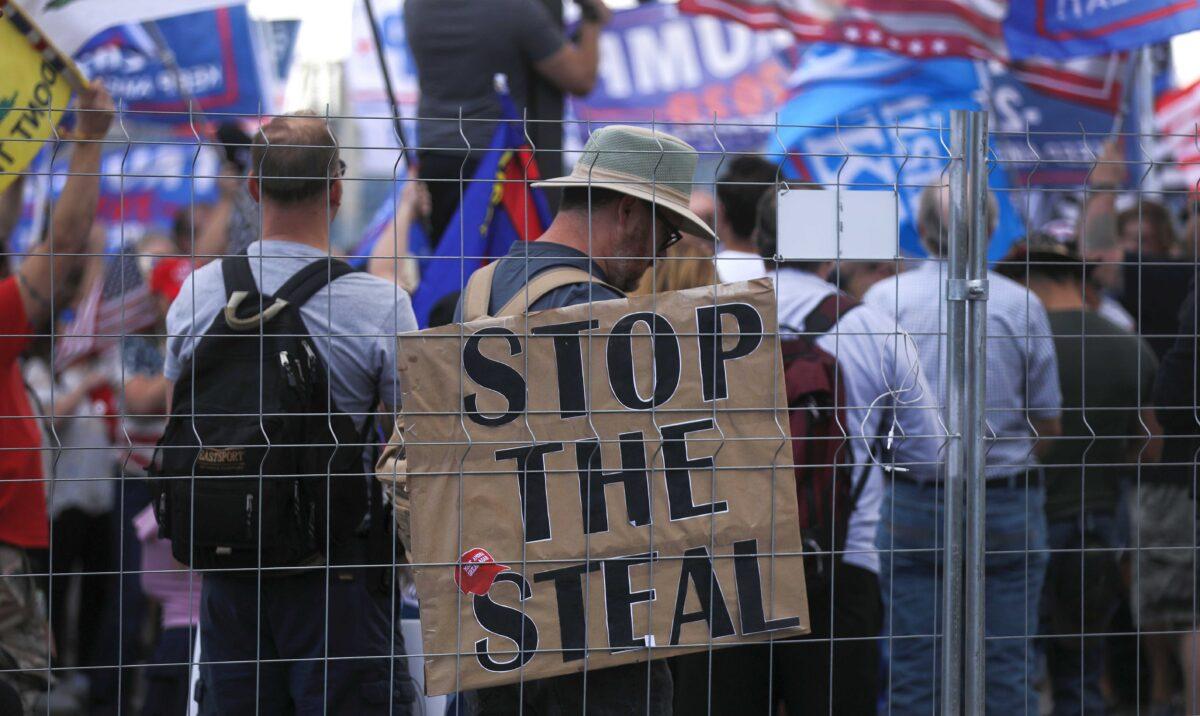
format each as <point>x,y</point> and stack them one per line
<point>1091,434</point>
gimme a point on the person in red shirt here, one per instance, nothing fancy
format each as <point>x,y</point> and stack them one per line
<point>27,302</point>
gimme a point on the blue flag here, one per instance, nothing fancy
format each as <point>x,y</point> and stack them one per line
<point>498,207</point>
<point>217,59</point>
<point>875,121</point>
<point>1072,28</point>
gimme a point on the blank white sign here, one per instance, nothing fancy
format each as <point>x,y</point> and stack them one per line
<point>824,225</point>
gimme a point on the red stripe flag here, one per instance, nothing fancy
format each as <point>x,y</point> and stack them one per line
<point>1175,117</point>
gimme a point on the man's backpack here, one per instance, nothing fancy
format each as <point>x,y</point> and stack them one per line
<point>257,467</point>
<point>826,489</point>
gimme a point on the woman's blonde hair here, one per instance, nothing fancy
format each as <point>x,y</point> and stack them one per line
<point>687,264</point>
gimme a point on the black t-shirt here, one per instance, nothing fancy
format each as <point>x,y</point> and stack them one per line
<point>1175,397</point>
<point>1154,289</point>
<point>459,46</point>
<point>1105,374</point>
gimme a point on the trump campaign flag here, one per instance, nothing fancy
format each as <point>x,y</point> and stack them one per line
<point>69,24</point>
<point>498,207</point>
<point>985,29</point>
<point>683,72</point>
<point>37,40</point>
<point>870,120</point>
<point>219,64</point>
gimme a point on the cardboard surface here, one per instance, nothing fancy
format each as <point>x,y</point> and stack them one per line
<point>529,563</point>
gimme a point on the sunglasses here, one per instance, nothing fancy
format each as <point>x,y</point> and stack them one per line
<point>341,172</point>
<point>674,235</point>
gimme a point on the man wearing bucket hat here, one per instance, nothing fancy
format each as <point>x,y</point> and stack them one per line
<point>623,205</point>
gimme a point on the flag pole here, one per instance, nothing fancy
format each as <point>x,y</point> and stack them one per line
<point>1128,96</point>
<point>387,83</point>
<point>167,55</point>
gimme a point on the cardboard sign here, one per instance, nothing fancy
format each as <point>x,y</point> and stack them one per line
<point>586,495</point>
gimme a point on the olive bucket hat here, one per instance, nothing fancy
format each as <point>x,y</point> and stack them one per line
<point>643,163</point>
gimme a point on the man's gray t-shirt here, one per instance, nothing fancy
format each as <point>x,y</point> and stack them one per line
<point>459,46</point>
<point>354,322</point>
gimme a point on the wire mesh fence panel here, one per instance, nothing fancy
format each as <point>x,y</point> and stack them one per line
<point>885,418</point>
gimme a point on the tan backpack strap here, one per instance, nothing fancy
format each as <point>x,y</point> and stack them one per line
<point>544,283</point>
<point>477,296</point>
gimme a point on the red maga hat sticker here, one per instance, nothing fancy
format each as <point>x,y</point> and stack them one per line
<point>476,571</point>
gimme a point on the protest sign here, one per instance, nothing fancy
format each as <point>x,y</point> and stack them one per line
<point>585,494</point>
<point>30,85</point>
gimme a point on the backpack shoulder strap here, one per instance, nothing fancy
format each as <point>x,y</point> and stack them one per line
<point>477,296</point>
<point>310,279</point>
<point>545,282</point>
<point>238,277</point>
<point>295,291</point>
<point>828,312</point>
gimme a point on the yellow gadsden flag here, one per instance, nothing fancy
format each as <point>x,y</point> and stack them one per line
<point>30,87</point>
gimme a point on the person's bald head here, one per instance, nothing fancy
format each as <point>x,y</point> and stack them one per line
<point>933,218</point>
<point>295,160</point>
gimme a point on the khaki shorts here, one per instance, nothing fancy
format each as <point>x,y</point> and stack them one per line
<point>1163,548</point>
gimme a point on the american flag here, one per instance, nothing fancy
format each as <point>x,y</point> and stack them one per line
<point>1004,30</point>
<point>119,304</point>
<point>927,29</point>
<point>918,28</point>
<point>1175,118</point>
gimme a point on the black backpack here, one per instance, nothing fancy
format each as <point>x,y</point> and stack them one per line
<point>257,467</point>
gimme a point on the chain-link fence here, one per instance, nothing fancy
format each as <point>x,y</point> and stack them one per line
<point>952,368</point>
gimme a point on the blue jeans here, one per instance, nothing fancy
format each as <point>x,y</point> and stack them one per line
<point>1075,663</point>
<point>911,537</point>
<point>305,644</point>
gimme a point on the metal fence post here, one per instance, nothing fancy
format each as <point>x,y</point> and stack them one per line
<point>962,655</point>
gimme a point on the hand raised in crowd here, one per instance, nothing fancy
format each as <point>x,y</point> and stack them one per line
<point>1109,171</point>
<point>595,11</point>
<point>230,182</point>
<point>415,198</point>
<point>94,113</point>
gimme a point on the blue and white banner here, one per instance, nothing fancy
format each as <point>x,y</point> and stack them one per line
<point>143,186</point>
<point>683,71</point>
<point>902,145</point>
<point>868,120</point>
<point>1048,120</point>
<point>218,64</point>
<point>1045,139</point>
<point>70,24</point>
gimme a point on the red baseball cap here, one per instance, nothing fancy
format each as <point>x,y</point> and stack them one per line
<point>168,275</point>
<point>476,571</point>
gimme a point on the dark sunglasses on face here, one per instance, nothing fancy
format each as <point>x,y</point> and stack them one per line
<point>674,235</point>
